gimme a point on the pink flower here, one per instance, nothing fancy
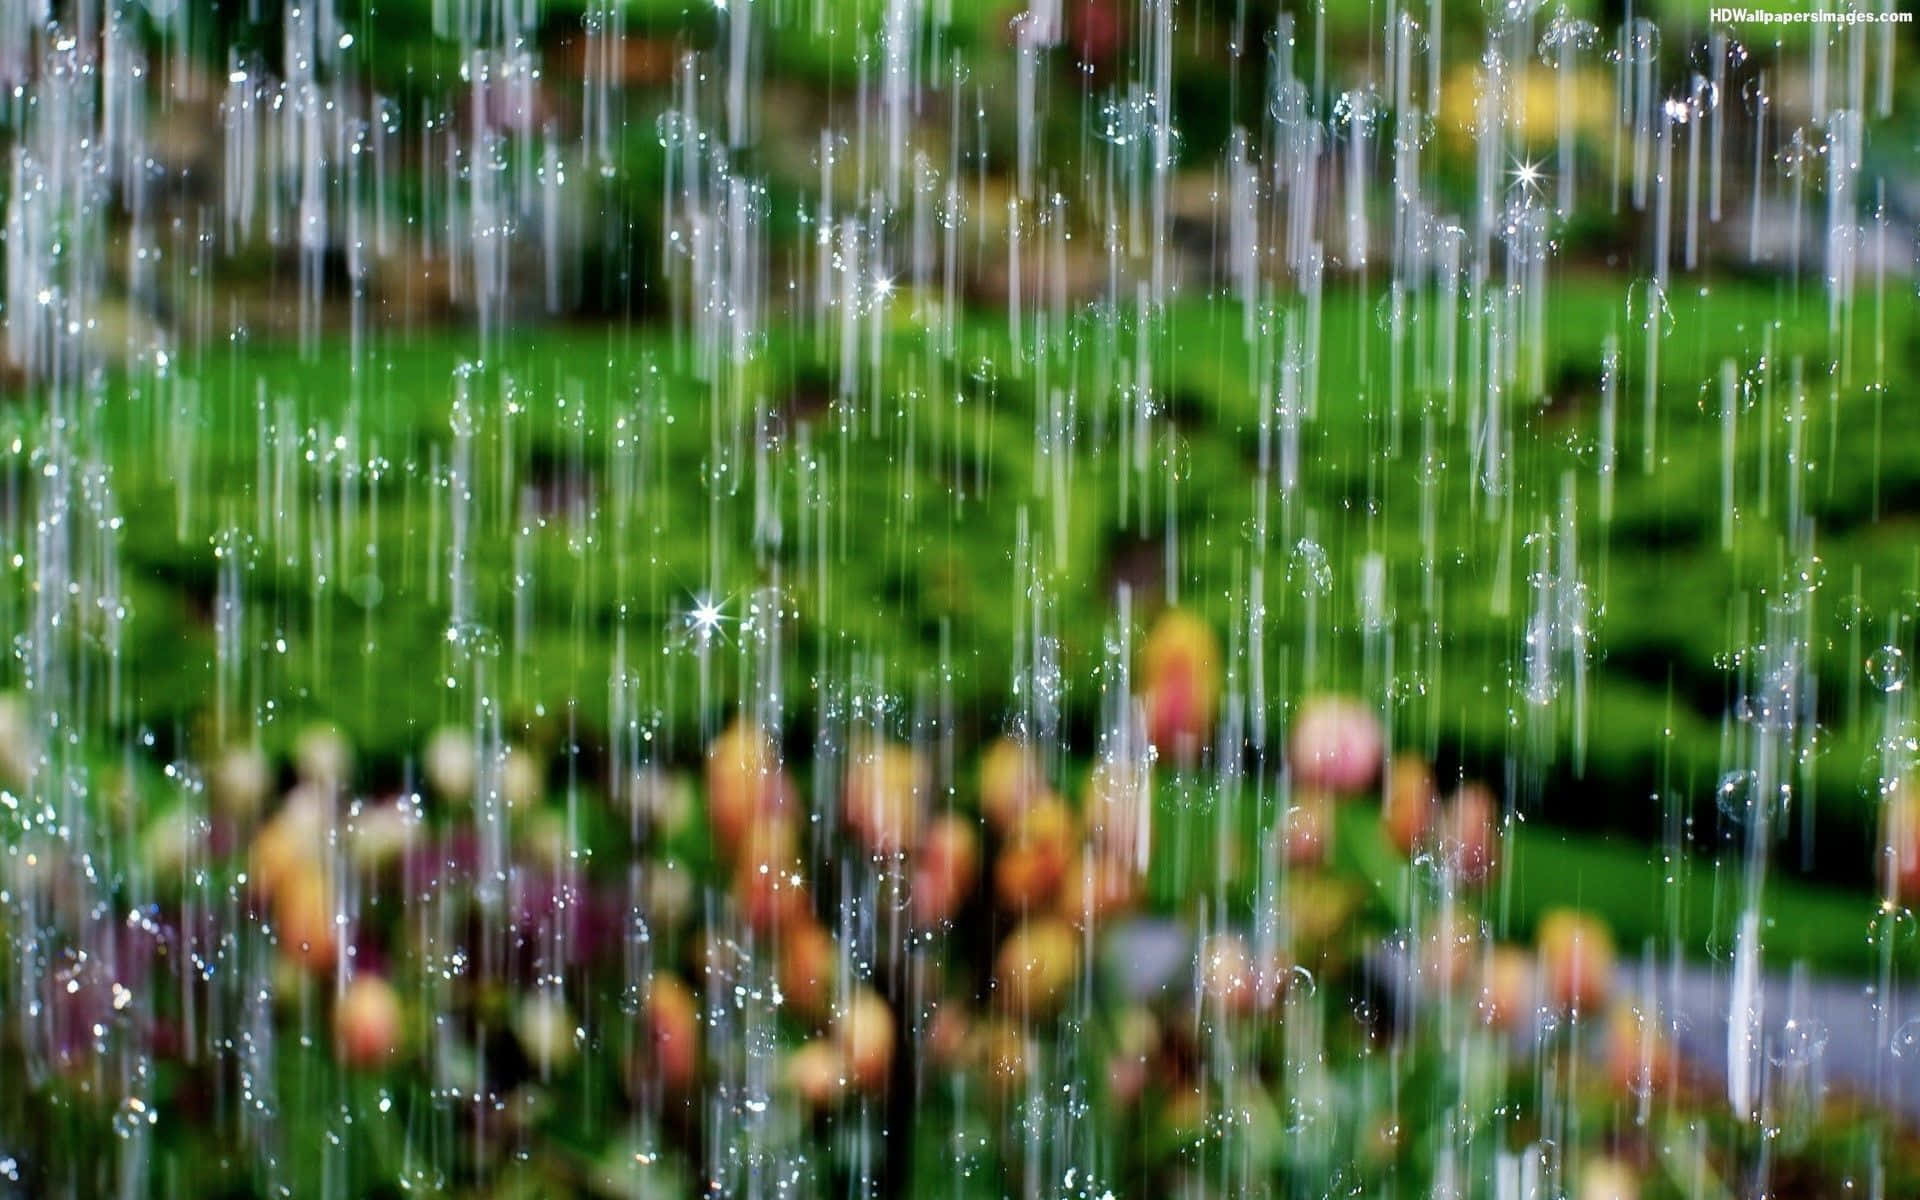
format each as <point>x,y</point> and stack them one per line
<point>1336,745</point>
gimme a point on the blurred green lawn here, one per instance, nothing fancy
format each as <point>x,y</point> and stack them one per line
<point>348,606</point>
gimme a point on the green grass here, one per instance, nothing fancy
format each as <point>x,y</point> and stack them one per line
<point>1654,572</point>
<point>925,482</point>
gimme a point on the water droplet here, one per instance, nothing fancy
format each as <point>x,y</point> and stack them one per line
<point>1887,668</point>
<point>1308,569</point>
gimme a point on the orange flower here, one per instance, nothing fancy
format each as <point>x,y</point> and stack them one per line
<point>817,1073</point>
<point>366,1022</point>
<point>886,785</point>
<point>1010,782</point>
<point>1470,840</point>
<point>673,1028</point>
<point>745,784</point>
<point>945,869</point>
<point>1508,989</point>
<point>864,1034</point>
<point>1180,684</point>
<point>807,968</point>
<point>1900,837</point>
<point>1031,866</point>
<point>1036,964</point>
<point>1412,802</point>
<point>1576,960</point>
<point>303,913</point>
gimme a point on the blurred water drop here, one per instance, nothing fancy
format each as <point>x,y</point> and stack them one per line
<point>1887,668</point>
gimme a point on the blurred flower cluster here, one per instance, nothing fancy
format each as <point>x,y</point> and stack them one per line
<point>817,936</point>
